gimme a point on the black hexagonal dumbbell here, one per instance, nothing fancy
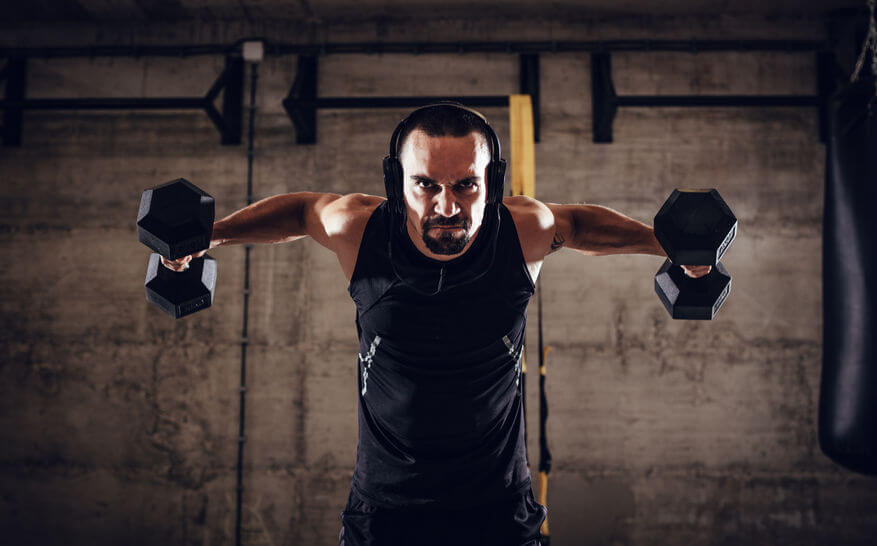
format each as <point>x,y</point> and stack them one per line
<point>176,220</point>
<point>694,227</point>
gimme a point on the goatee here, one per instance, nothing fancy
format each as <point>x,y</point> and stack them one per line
<point>448,241</point>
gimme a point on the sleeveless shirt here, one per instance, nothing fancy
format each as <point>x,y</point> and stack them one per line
<point>440,412</point>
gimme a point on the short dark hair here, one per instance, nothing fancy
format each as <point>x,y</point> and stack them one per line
<point>444,120</point>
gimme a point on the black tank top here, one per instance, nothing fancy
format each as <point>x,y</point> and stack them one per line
<point>440,410</point>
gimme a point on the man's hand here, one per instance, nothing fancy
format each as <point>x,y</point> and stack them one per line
<point>181,264</point>
<point>696,271</point>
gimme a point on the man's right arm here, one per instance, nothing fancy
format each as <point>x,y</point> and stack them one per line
<point>277,219</point>
<point>335,221</point>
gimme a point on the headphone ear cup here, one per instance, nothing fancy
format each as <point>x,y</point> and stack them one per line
<point>496,181</point>
<point>393,182</point>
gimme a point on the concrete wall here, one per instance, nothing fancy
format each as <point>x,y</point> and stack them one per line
<point>120,425</point>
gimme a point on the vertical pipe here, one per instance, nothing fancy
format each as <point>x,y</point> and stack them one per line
<point>254,76</point>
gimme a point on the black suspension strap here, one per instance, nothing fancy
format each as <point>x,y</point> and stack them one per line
<point>544,453</point>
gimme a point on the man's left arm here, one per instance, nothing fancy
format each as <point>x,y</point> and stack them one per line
<point>595,230</point>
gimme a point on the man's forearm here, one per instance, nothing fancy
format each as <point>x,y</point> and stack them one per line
<point>274,219</point>
<point>601,231</point>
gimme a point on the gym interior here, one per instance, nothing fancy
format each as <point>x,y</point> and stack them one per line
<point>237,424</point>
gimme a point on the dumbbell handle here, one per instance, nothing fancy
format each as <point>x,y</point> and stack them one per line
<point>185,265</point>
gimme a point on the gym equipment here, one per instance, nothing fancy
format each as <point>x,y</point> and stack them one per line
<point>694,227</point>
<point>848,392</point>
<point>175,220</point>
<point>523,181</point>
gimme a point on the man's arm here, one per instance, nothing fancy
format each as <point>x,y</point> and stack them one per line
<point>335,221</point>
<point>596,230</point>
<point>275,219</point>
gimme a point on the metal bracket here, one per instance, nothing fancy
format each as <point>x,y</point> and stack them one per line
<point>301,103</point>
<point>229,121</point>
<point>603,98</point>
<point>827,71</point>
<point>605,102</point>
<point>15,75</point>
<point>529,70</point>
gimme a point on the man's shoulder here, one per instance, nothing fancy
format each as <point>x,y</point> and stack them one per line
<point>357,203</point>
<point>345,219</point>
<point>350,212</point>
<point>534,223</point>
<point>531,216</point>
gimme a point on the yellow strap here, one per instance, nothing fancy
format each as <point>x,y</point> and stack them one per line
<point>523,155</point>
<point>543,500</point>
<point>544,359</point>
<point>523,164</point>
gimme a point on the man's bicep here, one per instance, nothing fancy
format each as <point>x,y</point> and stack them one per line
<point>564,225</point>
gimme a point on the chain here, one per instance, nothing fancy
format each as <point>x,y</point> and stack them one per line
<point>872,32</point>
<point>870,43</point>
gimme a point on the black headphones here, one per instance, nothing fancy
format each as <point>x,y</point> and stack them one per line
<point>495,172</point>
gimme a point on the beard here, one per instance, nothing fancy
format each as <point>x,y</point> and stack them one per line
<point>448,241</point>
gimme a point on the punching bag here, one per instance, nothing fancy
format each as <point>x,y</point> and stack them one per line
<point>848,392</point>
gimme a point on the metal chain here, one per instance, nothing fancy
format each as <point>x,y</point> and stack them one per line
<point>870,43</point>
<point>872,30</point>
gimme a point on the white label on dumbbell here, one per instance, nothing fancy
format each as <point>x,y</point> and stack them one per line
<point>726,242</point>
<point>722,297</point>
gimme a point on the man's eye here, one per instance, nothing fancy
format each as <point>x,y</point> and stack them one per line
<point>423,184</point>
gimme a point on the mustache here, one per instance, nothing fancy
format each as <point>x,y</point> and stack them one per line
<point>452,221</point>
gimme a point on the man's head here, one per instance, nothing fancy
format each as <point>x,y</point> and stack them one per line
<point>444,152</point>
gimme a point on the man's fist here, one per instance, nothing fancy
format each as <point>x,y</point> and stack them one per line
<point>181,264</point>
<point>695,271</point>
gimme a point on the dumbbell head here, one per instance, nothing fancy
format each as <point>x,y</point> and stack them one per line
<point>692,299</point>
<point>181,293</point>
<point>175,219</point>
<point>695,227</point>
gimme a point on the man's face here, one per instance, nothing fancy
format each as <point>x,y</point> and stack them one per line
<point>445,189</point>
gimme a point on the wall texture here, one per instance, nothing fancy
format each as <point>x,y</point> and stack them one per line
<point>120,425</point>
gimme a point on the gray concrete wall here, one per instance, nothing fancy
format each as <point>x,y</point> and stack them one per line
<point>120,425</point>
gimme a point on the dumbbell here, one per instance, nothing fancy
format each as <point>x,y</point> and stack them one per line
<point>694,227</point>
<point>175,220</point>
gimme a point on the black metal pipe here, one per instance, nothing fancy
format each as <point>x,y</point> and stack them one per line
<point>251,132</point>
<point>547,46</point>
<point>393,102</point>
<point>511,47</point>
<point>717,100</point>
<point>158,103</point>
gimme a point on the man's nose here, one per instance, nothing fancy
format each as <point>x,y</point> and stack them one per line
<point>446,203</point>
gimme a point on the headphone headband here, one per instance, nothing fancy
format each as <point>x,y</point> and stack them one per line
<point>495,150</point>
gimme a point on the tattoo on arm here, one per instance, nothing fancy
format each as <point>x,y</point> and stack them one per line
<point>557,242</point>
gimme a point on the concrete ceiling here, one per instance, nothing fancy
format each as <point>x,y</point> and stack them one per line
<point>145,11</point>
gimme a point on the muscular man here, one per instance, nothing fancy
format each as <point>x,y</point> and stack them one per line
<point>441,279</point>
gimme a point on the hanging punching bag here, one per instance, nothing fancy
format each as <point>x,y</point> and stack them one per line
<point>848,393</point>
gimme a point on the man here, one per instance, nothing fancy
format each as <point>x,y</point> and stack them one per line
<point>441,274</point>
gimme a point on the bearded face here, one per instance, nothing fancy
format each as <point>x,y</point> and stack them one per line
<point>444,190</point>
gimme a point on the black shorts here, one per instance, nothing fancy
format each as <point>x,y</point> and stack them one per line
<point>512,522</point>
